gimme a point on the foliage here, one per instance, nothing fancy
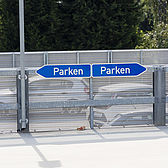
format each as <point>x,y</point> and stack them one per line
<point>9,36</point>
<point>159,9</point>
<point>71,24</point>
<point>157,16</point>
<point>157,38</point>
<point>99,24</point>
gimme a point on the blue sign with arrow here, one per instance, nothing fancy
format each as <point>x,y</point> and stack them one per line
<point>95,70</point>
<point>59,71</point>
<point>118,70</point>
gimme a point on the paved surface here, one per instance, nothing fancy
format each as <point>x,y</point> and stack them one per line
<point>133,147</point>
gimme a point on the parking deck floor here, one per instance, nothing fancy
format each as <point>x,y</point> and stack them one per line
<point>130,147</point>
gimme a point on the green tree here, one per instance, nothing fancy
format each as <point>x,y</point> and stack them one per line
<point>9,36</point>
<point>41,24</point>
<point>157,37</point>
<point>100,24</point>
<point>71,24</point>
<point>159,9</point>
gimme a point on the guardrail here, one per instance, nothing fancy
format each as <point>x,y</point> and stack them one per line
<point>158,100</point>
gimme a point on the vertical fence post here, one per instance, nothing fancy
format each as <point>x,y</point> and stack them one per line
<point>108,57</point>
<point>19,110</point>
<point>19,104</point>
<point>45,58</point>
<point>78,58</point>
<point>111,61</point>
<point>91,98</point>
<point>159,92</point>
<point>141,56</point>
<point>13,60</point>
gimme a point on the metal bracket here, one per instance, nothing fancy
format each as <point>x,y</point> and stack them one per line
<point>26,121</point>
<point>20,77</point>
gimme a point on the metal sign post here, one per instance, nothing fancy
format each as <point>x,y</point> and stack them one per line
<point>22,50</point>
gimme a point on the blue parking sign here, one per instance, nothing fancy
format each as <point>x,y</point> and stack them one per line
<point>62,71</point>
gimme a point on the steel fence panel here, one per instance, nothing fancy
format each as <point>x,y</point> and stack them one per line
<point>36,59</point>
<point>167,95</point>
<point>61,58</point>
<point>6,60</point>
<point>48,91</point>
<point>51,91</point>
<point>56,120</point>
<point>8,110</point>
<point>31,59</point>
<point>93,57</point>
<point>126,56</point>
<point>116,88</point>
<point>153,57</point>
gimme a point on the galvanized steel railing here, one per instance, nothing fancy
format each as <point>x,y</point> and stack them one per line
<point>37,59</point>
<point>158,99</point>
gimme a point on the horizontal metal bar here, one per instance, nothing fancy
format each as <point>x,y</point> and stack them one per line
<point>86,51</point>
<point>32,71</point>
<point>92,103</point>
<point>8,71</point>
<point>8,106</point>
<point>166,99</point>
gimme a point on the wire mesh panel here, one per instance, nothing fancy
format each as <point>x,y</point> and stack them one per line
<point>58,119</point>
<point>123,88</point>
<point>35,59</point>
<point>6,60</point>
<point>126,56</point>
<point>57,90</point>
<point>8,118</point>
<point>30,59</point>
<point>166,95</point>
<point>94,57</point>
<point>152,57</point>
<point>62,58</point>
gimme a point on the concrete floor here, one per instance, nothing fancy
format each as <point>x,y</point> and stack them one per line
<point>131,147</point>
